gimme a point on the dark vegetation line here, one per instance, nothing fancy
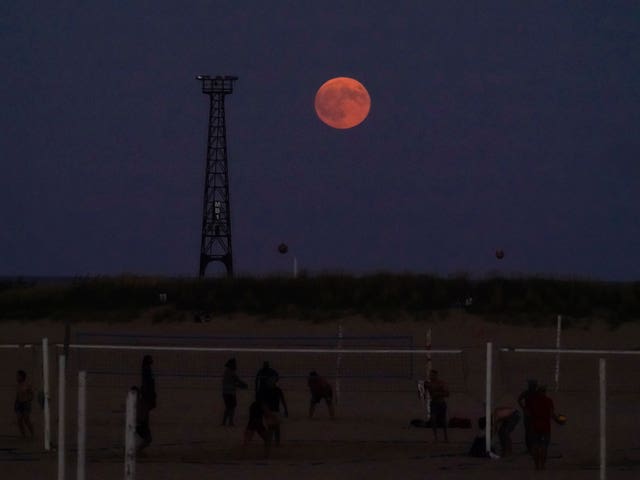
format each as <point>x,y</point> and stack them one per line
<point>323,296</point>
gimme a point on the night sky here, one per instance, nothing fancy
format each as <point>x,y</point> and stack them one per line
<point>493,124</point>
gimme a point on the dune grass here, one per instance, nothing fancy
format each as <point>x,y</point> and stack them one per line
<point>382,295</point>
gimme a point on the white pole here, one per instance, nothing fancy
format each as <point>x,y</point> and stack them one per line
<point>487,401</point>
<point>82,423</point>
<point>427,395</point>
<point>558,333</point>
<point>130,437</point>
<point>338,361</point>
<point>62,367</point>
<point>45,393</point>
<point>295,267</point>
<point>603,419</point>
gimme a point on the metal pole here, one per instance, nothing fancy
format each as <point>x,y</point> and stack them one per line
<point>427,395</point>
<point>558,333</point>
<point>487,406</point>
<point>603,419</point>
<point>62,367</point>
<point>45,393</point>
<point>338,361</point>
<point>130,436</point>
<point>82,424</point>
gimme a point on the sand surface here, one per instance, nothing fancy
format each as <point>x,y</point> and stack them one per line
<point>371,436</point>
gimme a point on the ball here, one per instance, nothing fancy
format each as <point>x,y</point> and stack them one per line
<point>499,254</point>
<point>282,248</point>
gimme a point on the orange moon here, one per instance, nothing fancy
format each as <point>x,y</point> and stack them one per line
<point>342,102</point>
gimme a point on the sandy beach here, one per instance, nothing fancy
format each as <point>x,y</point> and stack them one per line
<point>371,435</point>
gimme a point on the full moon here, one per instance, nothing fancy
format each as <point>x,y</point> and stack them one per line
<point>342,102</point>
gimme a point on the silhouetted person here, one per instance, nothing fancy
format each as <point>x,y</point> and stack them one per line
<point>523,401</point>
<point>504,420</point>
<point>230,382</point>
<point>146,402</point>
<point>439,392</point>
<point>259,416</point>
<point>266,378</point>
<point>22,405</point>
<point>272,398</point>
<point>542,411</point>
<point>320,390</point>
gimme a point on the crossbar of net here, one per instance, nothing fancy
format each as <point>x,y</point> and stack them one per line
<point>570,351</point>
<point>280,341</point>
<point>264,350</point>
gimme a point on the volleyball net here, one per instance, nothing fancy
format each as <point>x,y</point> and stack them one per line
<point>353,363</point>
<point>373,377</point>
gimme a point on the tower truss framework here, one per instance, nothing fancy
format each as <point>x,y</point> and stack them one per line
<point>215,244</point>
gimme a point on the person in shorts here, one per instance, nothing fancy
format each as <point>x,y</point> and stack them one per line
<point>542,412</point>
<point>22,405</point>
<point>230,382</point>
<point>438,392</point>
<point>320,390</point>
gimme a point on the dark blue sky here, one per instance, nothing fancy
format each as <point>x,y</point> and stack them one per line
<point>494,124</point>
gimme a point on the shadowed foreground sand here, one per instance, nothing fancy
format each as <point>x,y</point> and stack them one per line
<point>371,436</point>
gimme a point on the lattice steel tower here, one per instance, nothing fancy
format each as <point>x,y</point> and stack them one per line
<point>215,243</point>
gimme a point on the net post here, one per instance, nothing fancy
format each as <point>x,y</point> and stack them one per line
<point>429,366</point>
<point>603,418</point>
<point>558,334</point>
<point>82,424</point>
<point>338,361</point>
<point>487,401</point>
<point>130,436</point>
<point>62,361</point>
<point>45,392</point>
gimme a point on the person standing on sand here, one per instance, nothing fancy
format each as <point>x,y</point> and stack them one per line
<point>147,402</point>
<point>230,382</point>
<point>523,401</point>
<point>439,392</point>
<point>542,411</point>
<point>22,405</point>
<point>266,379</point>
<point>272,398</point>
